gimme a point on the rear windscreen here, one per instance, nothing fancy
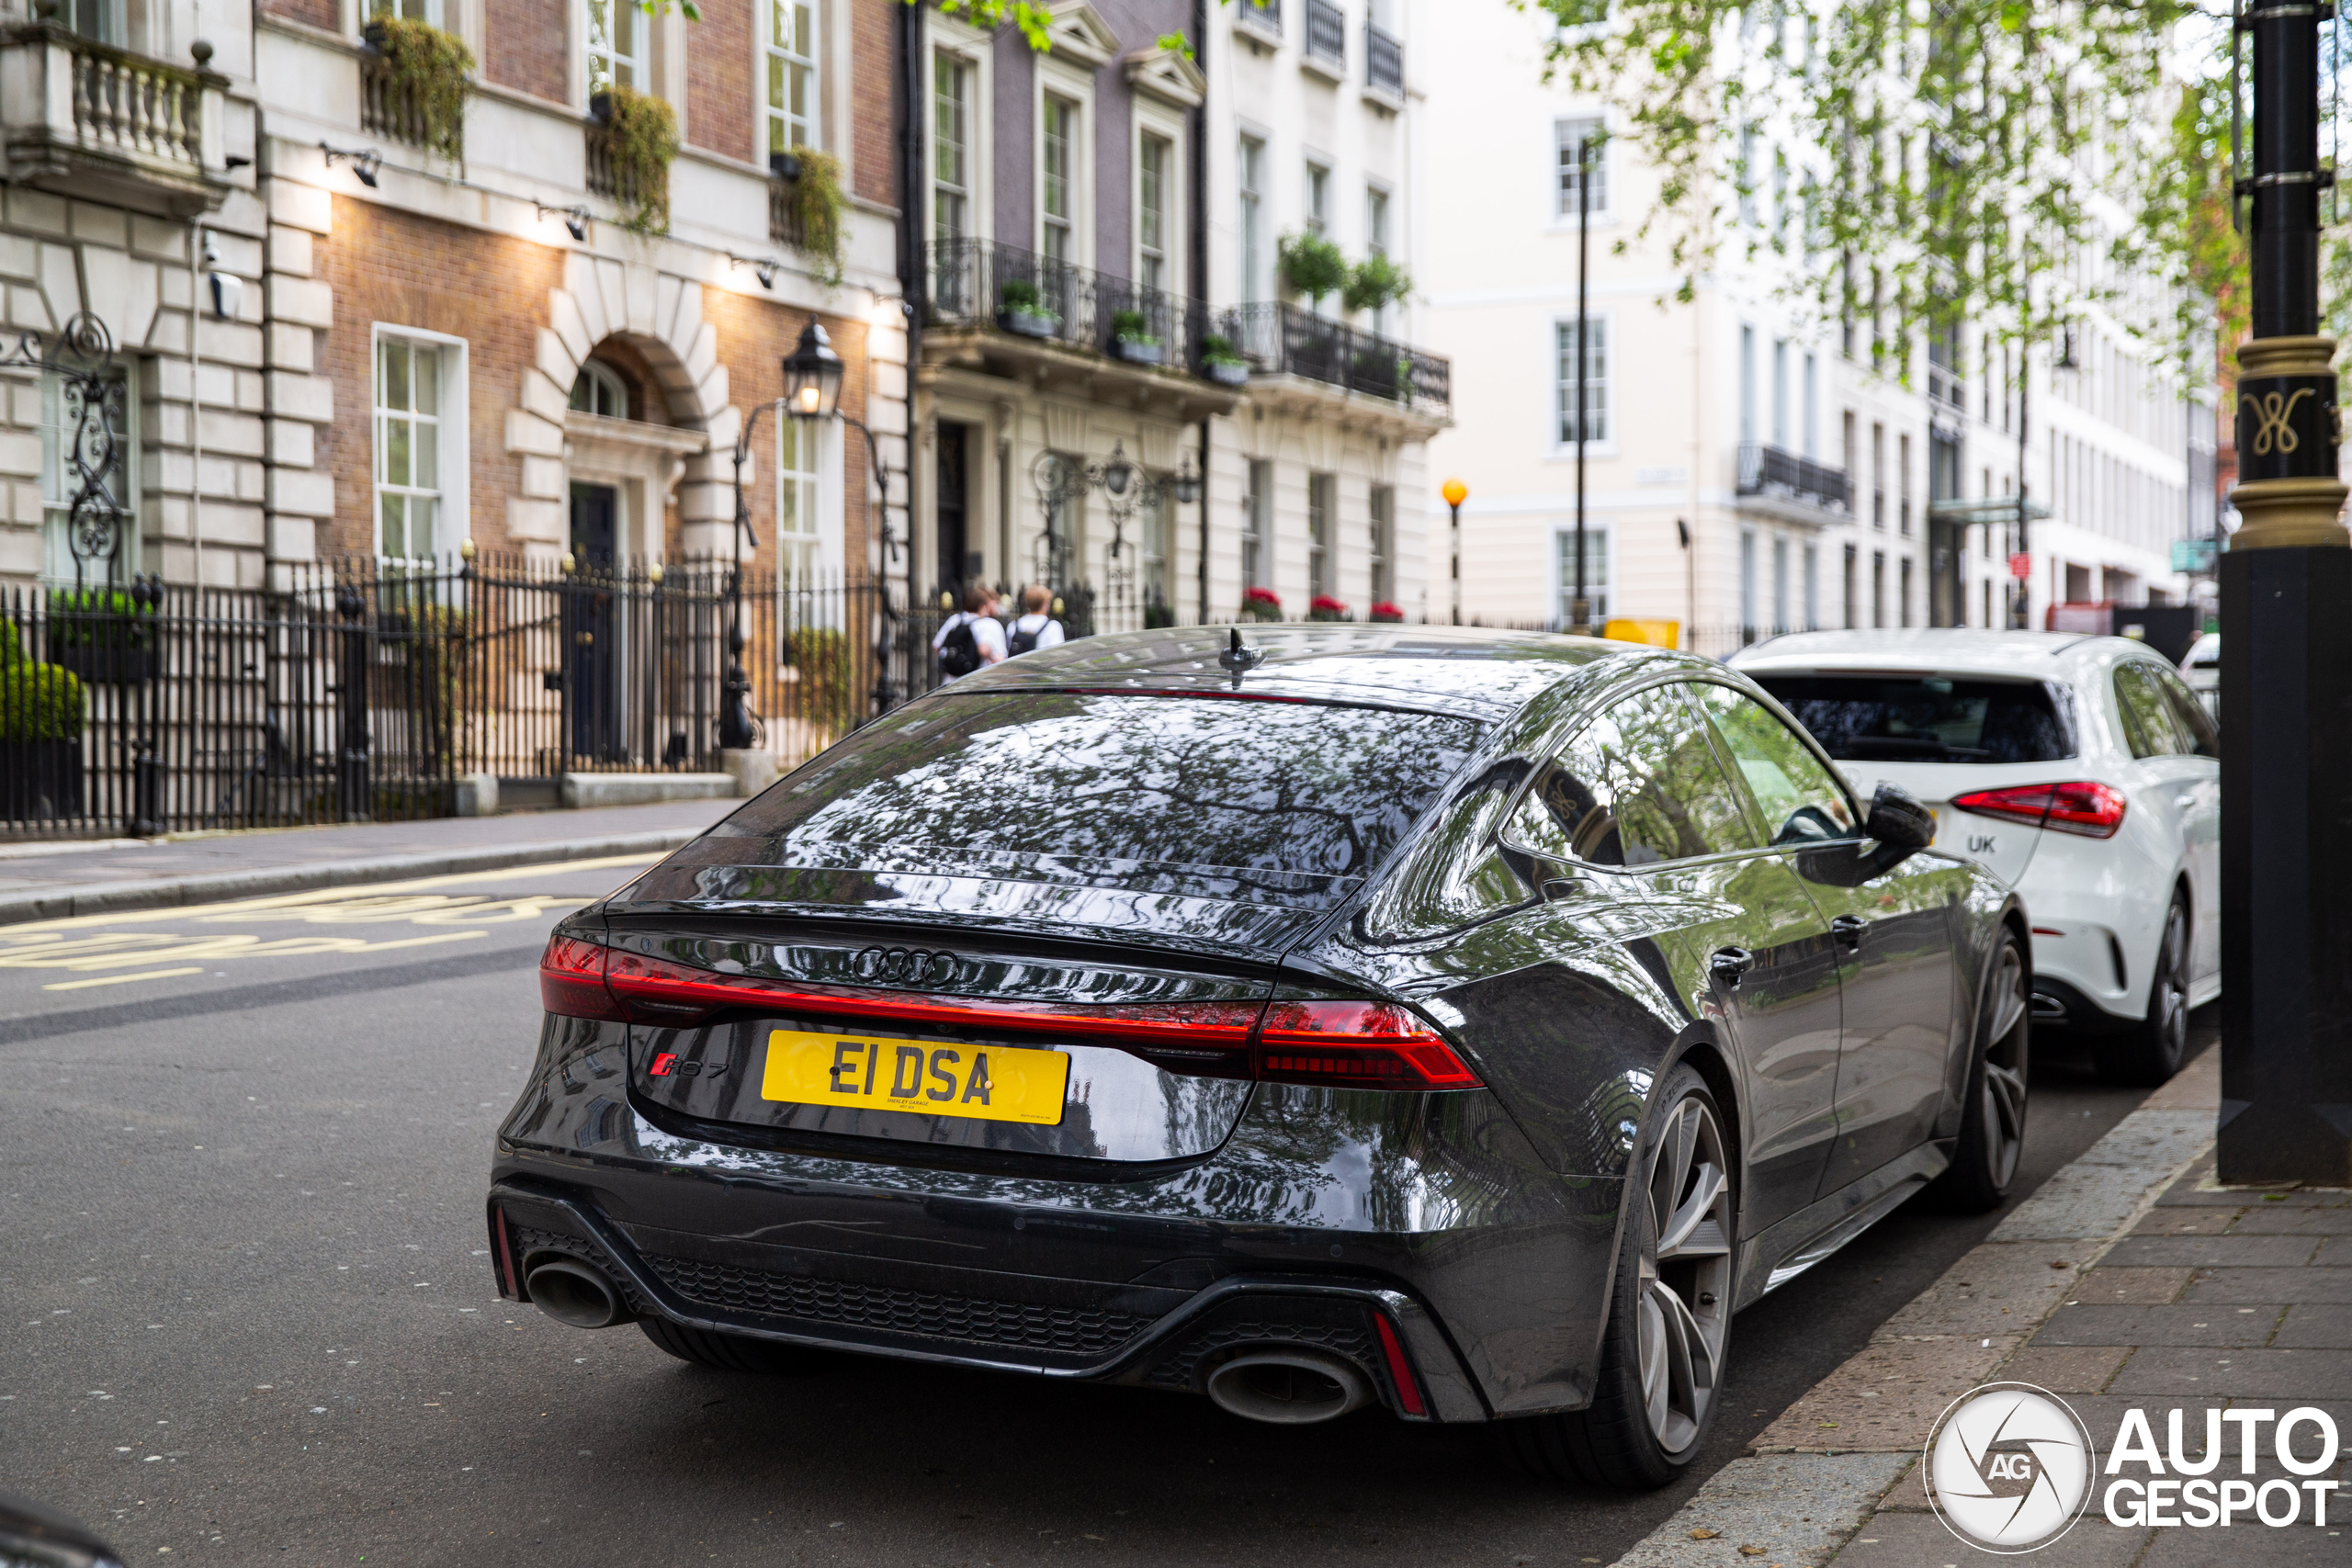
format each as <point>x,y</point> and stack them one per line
<point>1926,718</point>
<point>1296,793</point>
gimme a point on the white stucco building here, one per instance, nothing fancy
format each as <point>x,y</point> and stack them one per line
<point>1747,470</point>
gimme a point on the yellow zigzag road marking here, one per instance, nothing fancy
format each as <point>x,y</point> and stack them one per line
<point>118,980</point>
<point>208,912</point>
<point>111,952</point>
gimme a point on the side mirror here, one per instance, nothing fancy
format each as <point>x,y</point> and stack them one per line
<point>1897,820</point>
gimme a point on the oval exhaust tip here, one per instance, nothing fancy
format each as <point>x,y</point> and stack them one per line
<point>572,1292</point>
<point>1289,1388</point>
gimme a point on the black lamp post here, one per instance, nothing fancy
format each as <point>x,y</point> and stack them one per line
<point>2286,681</point>
<point>812,391</point>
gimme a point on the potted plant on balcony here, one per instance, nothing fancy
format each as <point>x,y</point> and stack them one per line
<point>41,736</point>
<point>1132,341</point>
<point>638,133</point>
<point>103,636</point>
<point>1374,284</point>
<point>1323,607</point>
<point>1020,308</point>
<point>426,72</point>
<point>1313,268</point>
<point>1388,614</point>
<point>1261,605</point>
<point>820,209</point>
<point>1222,364</point>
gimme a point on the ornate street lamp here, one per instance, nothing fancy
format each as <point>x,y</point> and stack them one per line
<point>812,391</point>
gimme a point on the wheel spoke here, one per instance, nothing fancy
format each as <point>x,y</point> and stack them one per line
<point>2006,1089</point>
<point>2009,1000</point>
<point>1655,1380</point>
<point>1679,1239</point>
<point>1673,1168</point>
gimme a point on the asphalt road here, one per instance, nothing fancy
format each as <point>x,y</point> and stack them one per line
<point>245,1314</point>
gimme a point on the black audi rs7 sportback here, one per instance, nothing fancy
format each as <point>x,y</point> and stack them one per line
<point>1465,1024</point>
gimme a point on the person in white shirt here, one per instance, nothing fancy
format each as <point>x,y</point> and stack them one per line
<point>1036,628</point>
<point>973,639</point>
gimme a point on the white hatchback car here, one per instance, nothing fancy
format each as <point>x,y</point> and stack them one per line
<point>2079,770</point>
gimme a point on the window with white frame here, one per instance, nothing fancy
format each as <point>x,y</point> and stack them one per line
<point>1573,143</point>
<point>1316,197</point>
<point>1322,565</point>
<point>1251,224</point>
<point>426,11</point>
<point>1780,622</point>
<point>1812,588</point>
<point>951,146</point>
<point>1748,582</point>
<point>1059,212</point>
<point>788,50</point>
<point>1746,383</point>
<point>87,442</point>
<point>408,448</point>
<point>615,37</point>
<point>599,389</point>
<point>1382,544</point>
<point>1376,240</point>
<point>99,19</point>
<point>1155,549</point>
<point>796,535</point>
<point>1596,575</point>
<point>1258,527</point>
<point>1588,349</point>
<point>1155,160</point>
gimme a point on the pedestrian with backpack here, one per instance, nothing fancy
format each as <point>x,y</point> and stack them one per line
<point>973,639</point>
<point>1036,628</point>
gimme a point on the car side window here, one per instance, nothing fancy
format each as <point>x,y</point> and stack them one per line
<point>2148,726</point>
<point>2204,736</point>
<point>1638,785</point>
<point>1799,800</point>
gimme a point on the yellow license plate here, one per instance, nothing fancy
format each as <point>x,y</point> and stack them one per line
<point>987,1083</point>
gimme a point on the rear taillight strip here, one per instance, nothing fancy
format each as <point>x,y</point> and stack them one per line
<point>1359,1044</point>
<point>2082,807</point>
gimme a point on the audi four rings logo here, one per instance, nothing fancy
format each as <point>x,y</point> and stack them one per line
<point>905,966</point>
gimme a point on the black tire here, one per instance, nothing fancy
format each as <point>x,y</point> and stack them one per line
<point>2151,1051</point>
<point>1993,1108</point>
<point>1654,1403</point>
<point>726,1352</point>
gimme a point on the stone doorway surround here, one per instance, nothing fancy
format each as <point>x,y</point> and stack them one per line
<point>660,315</point>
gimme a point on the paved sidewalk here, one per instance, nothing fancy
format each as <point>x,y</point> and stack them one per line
<point>40,882</point>
<point>2128,1280</point>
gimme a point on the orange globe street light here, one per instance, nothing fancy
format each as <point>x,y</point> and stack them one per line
<point>1455,493</point>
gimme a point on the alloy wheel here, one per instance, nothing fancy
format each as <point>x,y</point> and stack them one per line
<point>1685,1275</point>
<point>2169,1006</point>
<point>2006,1066</point>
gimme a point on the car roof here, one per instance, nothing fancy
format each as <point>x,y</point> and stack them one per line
<point>1466,671</point>
<point>1943,650</point>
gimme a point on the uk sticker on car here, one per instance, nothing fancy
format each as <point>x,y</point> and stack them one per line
<point>987,1083</point>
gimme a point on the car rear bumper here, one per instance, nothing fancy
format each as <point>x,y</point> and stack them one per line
<point>1061,1329</point>
<point>1326,1214</point>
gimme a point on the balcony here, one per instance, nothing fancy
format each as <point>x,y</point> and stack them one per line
<point>1326,37</point>
<point>1797,488</point>
<point>644,200</point>
<point>392,111</point>
<point>1403,386</point>
<point>1262,18</point>
<point>1001,310</point>
<point>89,120</point>
<point>1384,66</point>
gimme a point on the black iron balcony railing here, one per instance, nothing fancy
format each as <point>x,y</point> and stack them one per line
<point>1261,15</point>
<point>1282,340</point>
<point>980,282</point>
<point>1766,469</point>
<point>1327,33</point>
<point>1384,60</point>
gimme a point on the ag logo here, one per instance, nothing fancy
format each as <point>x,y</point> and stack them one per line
<point>2009,1468</point>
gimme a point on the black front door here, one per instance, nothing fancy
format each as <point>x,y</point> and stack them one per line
<point>591,635</point>
<point>955,571</point>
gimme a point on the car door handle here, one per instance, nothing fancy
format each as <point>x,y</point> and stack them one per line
<point>1729,964</point>
<point>1848,929</point>
<point>2184,800</point>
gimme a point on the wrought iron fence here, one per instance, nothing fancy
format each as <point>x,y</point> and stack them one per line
<point>365,691</point>
<point>1284,340</point>
<point>1327,33</point>
<point>1767,470</point>
<point>1018,291</point>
